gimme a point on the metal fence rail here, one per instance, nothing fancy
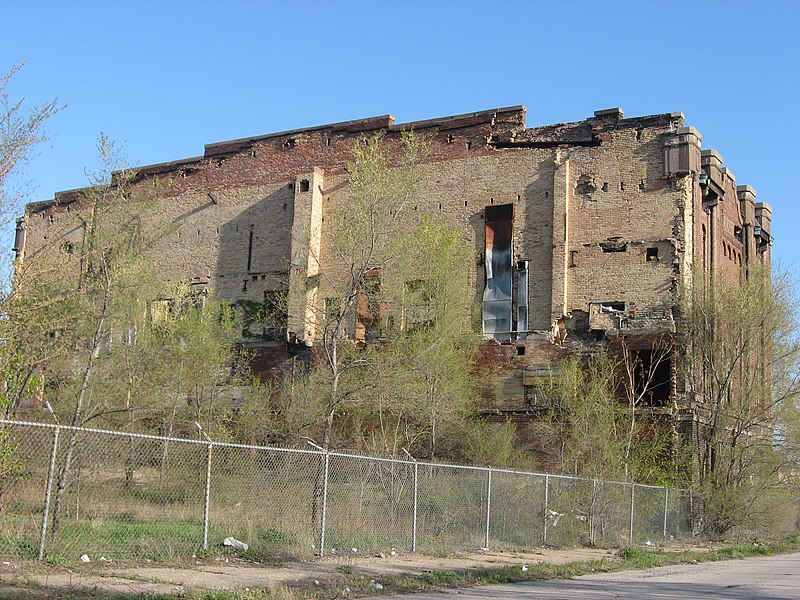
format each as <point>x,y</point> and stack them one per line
<point>131,495</point>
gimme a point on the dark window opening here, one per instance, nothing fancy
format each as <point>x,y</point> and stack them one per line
<point>250,251</point>
<point>614,245</point>
<point>305,185</point>
<point>274,315</point>
<point>520,350</point>
<point>540,398</point>
<point>333,308</point>
<point>612,307</point>
<point>652,376</point>
<point>652,254</point>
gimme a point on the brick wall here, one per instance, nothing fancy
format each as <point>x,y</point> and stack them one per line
<point>598,214</point>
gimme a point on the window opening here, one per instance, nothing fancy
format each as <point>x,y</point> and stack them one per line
<point>522,302</point>
<point>368,309</point>
<point>497,309</point>
<point>418,305</point>
<point>652,376</point>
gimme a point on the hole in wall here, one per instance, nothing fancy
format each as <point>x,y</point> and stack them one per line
<point>305,185</point>
<point>605,186</point>
<point>520,350</point>
<point>652,254</point>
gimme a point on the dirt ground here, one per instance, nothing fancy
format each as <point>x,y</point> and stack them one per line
<point>111,577</point>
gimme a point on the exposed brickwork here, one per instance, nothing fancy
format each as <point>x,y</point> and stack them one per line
<point>610,213</point>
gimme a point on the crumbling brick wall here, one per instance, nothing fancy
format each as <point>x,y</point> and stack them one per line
<point>611,215</point>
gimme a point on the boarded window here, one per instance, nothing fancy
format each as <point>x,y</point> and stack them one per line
<point>497,315</point>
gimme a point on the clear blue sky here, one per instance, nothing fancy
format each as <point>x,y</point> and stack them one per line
<point>165,78</point>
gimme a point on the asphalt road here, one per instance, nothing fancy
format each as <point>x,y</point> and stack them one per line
<point>771,578</point>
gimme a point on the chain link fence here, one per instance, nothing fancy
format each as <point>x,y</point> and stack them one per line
<point>67,491</point>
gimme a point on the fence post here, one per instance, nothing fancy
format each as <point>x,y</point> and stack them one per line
<point>488,506</point>
<point>666,508</point>
<point>592,503</point>
<point>414,517</point>
<point>207,497</point>
<point>546,507</point>
<point>633,491</point>
<point>324,504</point>
<point>48,492</point>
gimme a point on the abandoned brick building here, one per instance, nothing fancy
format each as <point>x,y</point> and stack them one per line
<point>587,229</point>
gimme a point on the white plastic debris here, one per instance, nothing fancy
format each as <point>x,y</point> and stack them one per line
<point>354,550</point>
<point>649,543</point>
<point>375,585</point>
<point>524,568</point>
<point>235,544</point>
<point>85,558</point>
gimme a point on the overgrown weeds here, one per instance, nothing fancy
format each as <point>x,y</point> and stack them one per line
<point>346,582</point>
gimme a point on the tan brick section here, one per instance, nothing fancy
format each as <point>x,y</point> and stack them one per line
<point>610,213</point>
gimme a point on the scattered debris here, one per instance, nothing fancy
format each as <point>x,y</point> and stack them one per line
<point>235,544</point>
<point>85,558</point>
<point>380,555</point>
<point>375,585</point>
<point>524,568</point>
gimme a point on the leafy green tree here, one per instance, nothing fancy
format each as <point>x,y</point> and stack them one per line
<point>366,231</point>
<point>742,369</point>
<point>21,128</point>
